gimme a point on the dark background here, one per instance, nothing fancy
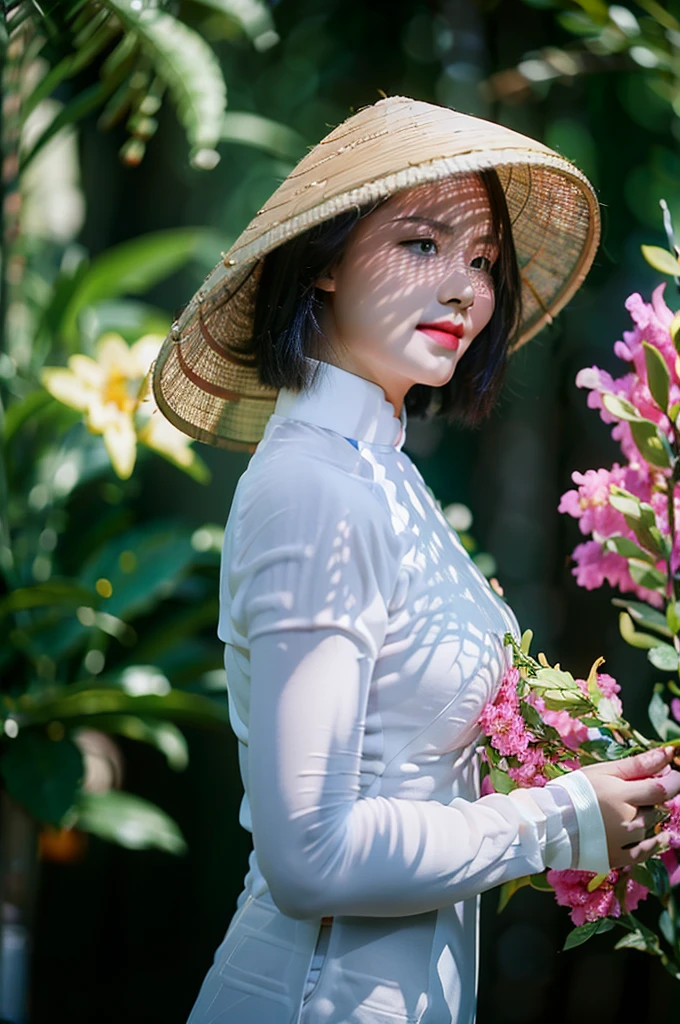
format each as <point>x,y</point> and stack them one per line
<point>128,936</point>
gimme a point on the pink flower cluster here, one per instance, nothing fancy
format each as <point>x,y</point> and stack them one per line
<point>571,890</point>
<point>501,720</point>
<point>589,502</point>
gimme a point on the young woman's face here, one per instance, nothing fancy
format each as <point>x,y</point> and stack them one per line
<point>414,288</point>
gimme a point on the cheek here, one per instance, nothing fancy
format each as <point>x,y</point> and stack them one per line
<point>485,303</point>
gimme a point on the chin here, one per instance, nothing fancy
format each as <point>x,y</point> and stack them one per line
<point>443,373</point>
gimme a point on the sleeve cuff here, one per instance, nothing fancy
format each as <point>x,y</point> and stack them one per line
<point>592,854</point>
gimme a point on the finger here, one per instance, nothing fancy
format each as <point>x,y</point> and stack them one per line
<point>642,765</point>
<point>648,817</point>
<point>656,790</point>
<point>645,849</point>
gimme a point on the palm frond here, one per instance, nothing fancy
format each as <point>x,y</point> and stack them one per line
<point>253,17</point>
<point>185,62</point>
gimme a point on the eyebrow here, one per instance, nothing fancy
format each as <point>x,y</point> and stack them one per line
<point>447,229</point>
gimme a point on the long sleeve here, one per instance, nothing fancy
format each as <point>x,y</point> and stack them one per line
<point>313,603</point>
<point>326,850</point>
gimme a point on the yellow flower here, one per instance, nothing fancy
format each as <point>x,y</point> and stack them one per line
<point>109,390</point>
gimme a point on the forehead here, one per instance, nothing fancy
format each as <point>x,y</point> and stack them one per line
<point>459,200</point>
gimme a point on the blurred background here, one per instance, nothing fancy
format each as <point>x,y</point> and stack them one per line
<point>112,124</point>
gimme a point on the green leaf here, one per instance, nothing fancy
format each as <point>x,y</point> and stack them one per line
<point>660,717</point>
<point>643,641</point>
<point>164,736</point>
<point>540,882</point>
<point>664,657</point>
<point>79,107</point>
<point>43,774</point>
<point>640,518</point>
<point>666,927</point>
<point>253,16</point>
<point>501,781</point>
<point>130,268</point>
<point>260,132</point>
<point>128,821</point>
<point>673,616</point>
<point>646,576</point>
<point>633,940</point>
<point>644,615</point>
<point>620,407</point>
<point>649,443</point>
<point>555,678</point>
<point>508,890</point>
<point>143,565</point>
<point>641,938</point>
<point>128,317</point>
<point>657,870</point>
<point>624,502</point>
<point>185,62</point>
<point>26,409</point>
<point>84,705</point>
<point>658,377</point>
<point>64,593</point>
<point>628,548</point>
<point>586,931</point>
<point>661,260</point>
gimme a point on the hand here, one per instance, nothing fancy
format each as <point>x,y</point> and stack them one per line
<point>627,792</point>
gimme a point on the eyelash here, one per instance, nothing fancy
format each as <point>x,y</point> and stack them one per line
<point>431,241</point>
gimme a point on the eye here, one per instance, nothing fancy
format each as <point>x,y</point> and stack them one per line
<point>423,246</point>
<point>482,263</point>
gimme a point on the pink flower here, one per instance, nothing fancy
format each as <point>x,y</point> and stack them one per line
<point>529,772</point>
<point>571,890</point>
<point>501,720</point>
<point>610,689</point>
<point>672,827</point>
<point>487,786</point>
<point>572,733</point>
<point>590,503</point>
<point>675,709</point>
<point>651,324</point>
<point>672,865</point>
<point>595,566</point>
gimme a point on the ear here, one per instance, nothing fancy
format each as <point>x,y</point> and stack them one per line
<point>325,283</point>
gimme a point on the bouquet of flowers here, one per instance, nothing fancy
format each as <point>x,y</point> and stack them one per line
<point>543,722</point>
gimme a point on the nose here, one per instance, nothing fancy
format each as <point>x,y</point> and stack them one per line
<point>456,290</point>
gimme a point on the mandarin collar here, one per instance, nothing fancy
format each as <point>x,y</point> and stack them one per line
<point>348,404</point>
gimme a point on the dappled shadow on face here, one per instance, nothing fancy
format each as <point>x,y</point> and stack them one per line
<point>422,256</point>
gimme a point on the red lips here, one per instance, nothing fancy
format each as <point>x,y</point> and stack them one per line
<point>443,332</point>
<point>444,325</point>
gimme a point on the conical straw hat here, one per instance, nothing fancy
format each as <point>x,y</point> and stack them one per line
<point>210,392</point>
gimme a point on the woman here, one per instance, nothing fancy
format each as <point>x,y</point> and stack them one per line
<point>390,273</point>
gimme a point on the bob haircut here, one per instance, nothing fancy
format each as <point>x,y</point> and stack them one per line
<point>286,327</point>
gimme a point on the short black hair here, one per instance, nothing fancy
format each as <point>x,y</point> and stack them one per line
<point>286,326</point>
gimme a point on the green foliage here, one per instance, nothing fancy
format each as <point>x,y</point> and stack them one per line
<point>43,774</point>
<point>658,377</point>
<point>131,268</point>
<point>187,65</point>
<point>661,260</point>
<point>128,821</point>
<point>586,931</point>
<point>660,717</point>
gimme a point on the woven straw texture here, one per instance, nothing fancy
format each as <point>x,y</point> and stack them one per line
<point>209,391</point>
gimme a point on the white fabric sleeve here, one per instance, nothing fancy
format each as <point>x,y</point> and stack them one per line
<point>313,602</point>
<point>590,841</point>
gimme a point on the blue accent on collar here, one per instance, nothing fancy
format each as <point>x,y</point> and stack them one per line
<point>352,441</point>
